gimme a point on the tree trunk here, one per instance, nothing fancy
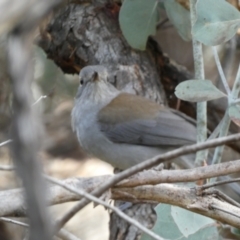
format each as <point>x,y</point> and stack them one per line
<point>89,34</point>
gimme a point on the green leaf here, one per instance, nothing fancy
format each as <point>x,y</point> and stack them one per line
<point>235,231</point>
<point>138,20</point>
<point>198,91</point>
<point>165,225</point>
<point>180,18</point>
<point>189,222</point>
<point>168,221</point>
<point>217,22</point>
<point>234,113</point>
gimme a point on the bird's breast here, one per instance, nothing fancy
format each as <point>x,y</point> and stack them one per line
<point>85,124</point>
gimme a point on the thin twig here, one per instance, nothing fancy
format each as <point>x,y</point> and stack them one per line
<point>10,140</point>
<point>216,131</point>
<point>226,123</point>
<point>145,165</point>
<point>215,184</point>
<point>5,142</point>
<point>220,70</point>
<point>9,220</point>
<point>99,201</point>
<point>7,168</point>
<point>181,175</point>
<point>221,195</point>
<point>236,85</point>
<point>217,156</point>
<point>39,99</point>
<point>224,210</point>
<point>64,234</point>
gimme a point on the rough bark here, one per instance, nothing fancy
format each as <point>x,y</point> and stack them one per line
<point>89,34</point>
<point>85,33</point>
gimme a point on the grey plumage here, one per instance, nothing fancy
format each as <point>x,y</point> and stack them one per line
<point>163,128</point>
<point>121,128</point>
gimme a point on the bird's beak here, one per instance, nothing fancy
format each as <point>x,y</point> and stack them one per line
<point>95,77</point>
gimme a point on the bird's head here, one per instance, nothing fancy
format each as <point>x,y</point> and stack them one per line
<point>94,83</point>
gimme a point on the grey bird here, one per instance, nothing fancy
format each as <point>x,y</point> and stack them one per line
<point>124,129</point>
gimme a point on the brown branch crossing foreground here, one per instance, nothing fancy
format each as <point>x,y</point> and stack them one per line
<point>141,188</point>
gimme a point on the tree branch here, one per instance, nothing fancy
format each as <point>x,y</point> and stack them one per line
<point>186,175</point>
<point>26,127</point>
<point>11,201</point>
<point>184,197</point>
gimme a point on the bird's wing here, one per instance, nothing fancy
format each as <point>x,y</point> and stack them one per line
<point>136,120</point>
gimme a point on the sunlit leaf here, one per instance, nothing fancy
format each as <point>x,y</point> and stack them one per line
<point>169,218</point>
<point>138,20</point>
<point>217,22</point>
<point>198,91</point>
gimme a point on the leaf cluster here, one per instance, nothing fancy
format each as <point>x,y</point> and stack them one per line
<point>216,22</point>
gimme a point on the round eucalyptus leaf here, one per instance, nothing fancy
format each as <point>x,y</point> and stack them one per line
<point>217,22</point>
<point>198,91</point>
<point>165,225</point>
<point>180,18</point>
<point>169,219</point>
<point>189,222</point>
<point>138,20</point>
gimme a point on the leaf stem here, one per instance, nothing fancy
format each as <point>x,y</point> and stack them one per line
<point>199,74</point>
<point>220,70</point>
<point>226,122</point>
<point>236,85</point>
<point>223,132</point>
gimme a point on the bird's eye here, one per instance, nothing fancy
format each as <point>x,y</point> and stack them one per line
<point>81,82</point>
